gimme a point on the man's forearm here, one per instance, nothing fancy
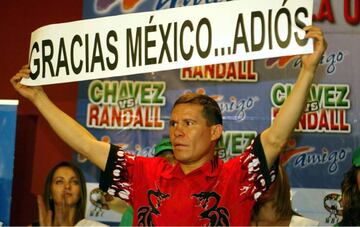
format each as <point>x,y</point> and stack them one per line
<point>275,137</point>
<point>71,132</point>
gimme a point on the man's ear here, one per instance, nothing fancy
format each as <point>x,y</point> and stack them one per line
<point>216,131</point>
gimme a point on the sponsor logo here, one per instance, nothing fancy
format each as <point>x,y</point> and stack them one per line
<point>105,6</point>
<point>333,206</point>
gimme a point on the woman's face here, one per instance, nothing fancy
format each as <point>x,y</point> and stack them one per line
<point>65,187</point>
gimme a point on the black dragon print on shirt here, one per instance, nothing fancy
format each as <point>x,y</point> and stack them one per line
<point>218,216</point>
<point>145,213</point>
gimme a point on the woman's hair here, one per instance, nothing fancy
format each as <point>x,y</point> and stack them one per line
<point>49,202</point>
<point>351,198</point>
<point>279,194</point>
<point>211,110</point>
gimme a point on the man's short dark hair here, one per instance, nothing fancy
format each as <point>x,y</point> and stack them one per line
<point>211,110</point>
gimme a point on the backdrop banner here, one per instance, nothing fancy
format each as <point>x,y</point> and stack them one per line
<point>134,110</point>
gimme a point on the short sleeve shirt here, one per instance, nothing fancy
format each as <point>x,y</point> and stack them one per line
<point>216,194</point>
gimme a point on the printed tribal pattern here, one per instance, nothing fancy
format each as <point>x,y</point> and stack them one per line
<point>255,184</point>
<point>121,186</point>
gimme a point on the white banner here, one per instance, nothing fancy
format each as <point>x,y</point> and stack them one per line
<point>168,39</point>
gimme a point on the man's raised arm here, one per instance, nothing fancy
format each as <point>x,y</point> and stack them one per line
<point>70,131</point>
<point>274,138</point>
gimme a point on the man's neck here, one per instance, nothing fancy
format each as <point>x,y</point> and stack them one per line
<point>189,167</point>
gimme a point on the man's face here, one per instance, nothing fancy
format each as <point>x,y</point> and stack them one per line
<point>193,141</point>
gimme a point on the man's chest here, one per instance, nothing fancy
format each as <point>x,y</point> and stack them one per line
<point>193,201</point>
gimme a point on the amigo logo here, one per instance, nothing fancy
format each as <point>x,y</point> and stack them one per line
<point>280,62</point>
<point>104,6</point>
<point>238,107</point>
<point>235,107</point>
<point>165,4</point>
<point>329,60</point>
<point>292,150</point>
<point>325,157</point>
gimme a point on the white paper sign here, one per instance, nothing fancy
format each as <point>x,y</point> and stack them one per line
<point>168,39</point>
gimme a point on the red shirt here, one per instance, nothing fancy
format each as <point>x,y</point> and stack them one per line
<point>215,194</point>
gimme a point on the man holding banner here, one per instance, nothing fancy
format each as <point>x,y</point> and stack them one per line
<point>200,189</point>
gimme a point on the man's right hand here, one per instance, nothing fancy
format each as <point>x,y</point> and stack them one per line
<point>68,129</point>
<point>26,91</point>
